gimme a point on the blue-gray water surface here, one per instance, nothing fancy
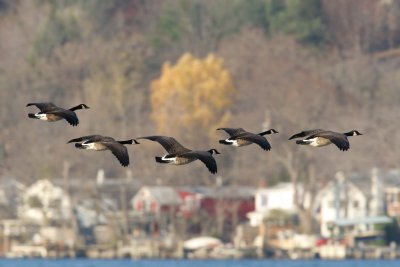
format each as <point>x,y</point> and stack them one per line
<point>195,263</point>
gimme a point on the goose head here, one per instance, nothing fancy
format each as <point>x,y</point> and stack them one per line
<point>82,106</point>
<point>353,133</point>
<point>213,151</point>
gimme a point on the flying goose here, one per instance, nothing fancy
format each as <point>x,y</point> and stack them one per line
<point>50,112</point>
<point>179,155</point>
<point>240,137</point>
<point>99,143</point>
<point>319,137</point>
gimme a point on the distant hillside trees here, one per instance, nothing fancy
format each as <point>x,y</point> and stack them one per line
<point>363,26</point>
<point>199,26</point>
<point>107,53</point>
<point>302,18</point>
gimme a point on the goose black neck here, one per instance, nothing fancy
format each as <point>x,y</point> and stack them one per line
<point>76,108</point>
<point>349,133</point>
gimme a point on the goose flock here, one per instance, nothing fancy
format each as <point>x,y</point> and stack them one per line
<point>177,154</point>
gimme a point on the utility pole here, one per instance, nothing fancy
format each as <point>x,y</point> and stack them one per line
<point>124,204</point>
<point>67,185</point>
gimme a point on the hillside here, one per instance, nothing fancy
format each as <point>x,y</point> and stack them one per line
<point>295,65</point>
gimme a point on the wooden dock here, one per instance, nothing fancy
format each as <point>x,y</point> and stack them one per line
<point>338,251</point>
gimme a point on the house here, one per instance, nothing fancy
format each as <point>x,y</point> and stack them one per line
<point>234,201</point>
<point>190,202</point>
<point>44,203</point>
<point>156,200</point>
<point>116,192</point>
<point>353,202</point>
<point>279,197</point>
<point>154,210</point>
<point>392,193</point>
<point>157,206</point>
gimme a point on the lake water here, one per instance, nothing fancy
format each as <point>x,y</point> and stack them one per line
<point>195,263</point>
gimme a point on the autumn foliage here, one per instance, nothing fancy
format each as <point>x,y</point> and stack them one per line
<point>192,97</point>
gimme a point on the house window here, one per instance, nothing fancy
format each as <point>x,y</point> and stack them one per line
<point>147,206</point>
<point>139,205</point>
<point>190,203</point>
<point>264,201</point>
<point>153,207</point>
<point>356,204</point>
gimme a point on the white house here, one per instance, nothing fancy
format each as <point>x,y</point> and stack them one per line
<point>280,196</point>
<point>392,193</point>
<point>355,201</point>
<point>43,202</point>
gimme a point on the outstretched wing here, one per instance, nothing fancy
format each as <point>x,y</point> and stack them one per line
<point>306,133</point>
<point>205,157</point>
<point>169,143</point>
<point>68,115</point>
<point>257,139</point>
<point>44,107</point>
<point>92,138</point>
<point>340,140</point>
<point>233,131</point>
<point>119,151</point>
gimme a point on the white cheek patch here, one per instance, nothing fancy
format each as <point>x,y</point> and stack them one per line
<point>90,146</point>
<point>41,116</point>
<point>232,142</point>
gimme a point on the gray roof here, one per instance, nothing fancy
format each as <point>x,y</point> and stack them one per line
<point>164,194</point>
<point>232,192</point>
<point>391,178</point>
<point>365,220</point>
<point>169,195</point>
<point>363,180</point>
<point>110,189</point>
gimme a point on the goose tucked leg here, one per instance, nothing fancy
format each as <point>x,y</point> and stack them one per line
<point>229,142</point>
<point>161,160</point>
<point>304,142</point>
<point>224,142</point>
<point>79,145</point>
<point>32,116</point>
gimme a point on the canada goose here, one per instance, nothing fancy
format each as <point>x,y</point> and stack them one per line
<point>99,143</point>
<point>319,137</point>
<point>179,155</point>
<point>50,112</point>
<point>240,137</point>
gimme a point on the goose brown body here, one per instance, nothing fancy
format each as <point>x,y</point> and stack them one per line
<point>51,113</point>
<point>180,155</point>
<point>320,138</point>
<point>101,143</point>
<point>240,137</point>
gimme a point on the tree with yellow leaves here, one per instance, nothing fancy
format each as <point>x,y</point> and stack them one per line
<point>192,98</point>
